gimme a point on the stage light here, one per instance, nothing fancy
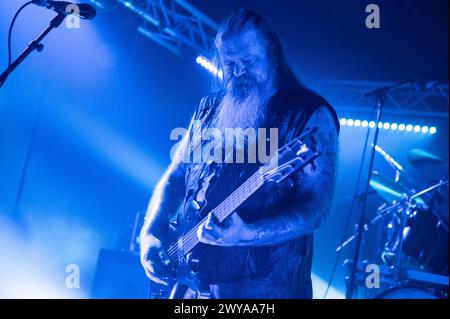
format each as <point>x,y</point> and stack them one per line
<point>97,4</point>
<point>388,126</point>
<point>206,64</point>
<point>388,157</point>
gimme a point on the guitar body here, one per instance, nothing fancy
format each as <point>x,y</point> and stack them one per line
<point>207,195</point>
<point>185,267</point>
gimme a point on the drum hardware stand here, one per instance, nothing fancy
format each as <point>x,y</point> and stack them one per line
<point>380,95</point>
<point>404,205</point>
<point>386,210</point>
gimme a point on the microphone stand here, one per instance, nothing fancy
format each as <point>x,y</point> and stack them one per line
<point>380,95</point>
<point>38,46</point>
<point>34,45</point>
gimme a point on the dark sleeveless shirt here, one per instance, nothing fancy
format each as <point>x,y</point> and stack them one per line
<point>286,265</point>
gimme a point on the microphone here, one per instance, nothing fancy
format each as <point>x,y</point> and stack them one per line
<point>82,10</point>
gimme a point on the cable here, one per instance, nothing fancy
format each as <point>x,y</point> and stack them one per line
<point>8,70</point>
<point>350,214</point>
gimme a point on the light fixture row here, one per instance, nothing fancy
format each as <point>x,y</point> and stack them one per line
<point>412,128</point>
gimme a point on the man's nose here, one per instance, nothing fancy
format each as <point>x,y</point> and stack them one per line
<point>239,69</point>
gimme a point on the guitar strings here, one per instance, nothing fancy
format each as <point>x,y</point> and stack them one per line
<point>191,239</point>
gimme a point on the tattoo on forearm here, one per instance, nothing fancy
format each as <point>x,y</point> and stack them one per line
<point>314,192</point>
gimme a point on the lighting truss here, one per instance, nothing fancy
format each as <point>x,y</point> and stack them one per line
<point>174,24</point>
<point>430,100</point>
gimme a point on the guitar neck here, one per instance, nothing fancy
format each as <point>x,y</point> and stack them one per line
<point>226,208</point>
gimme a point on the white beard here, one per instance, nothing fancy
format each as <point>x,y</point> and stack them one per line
<point>248,113</point>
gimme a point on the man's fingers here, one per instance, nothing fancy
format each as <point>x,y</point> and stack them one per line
<point>236,219</point>
<point>164,257</point>
<point>156,279</point>
<point>212,225</point>
<point>158,253</point>
<point>206,236</point>
<point>154,274</point>
<point>209,222</point>
<point>156,266</point>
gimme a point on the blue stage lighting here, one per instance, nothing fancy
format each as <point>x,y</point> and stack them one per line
<point>206,64</point>
<point>388,126</point>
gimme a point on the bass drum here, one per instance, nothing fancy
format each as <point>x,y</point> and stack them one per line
<point>406,292</point>
<point>426,243</point>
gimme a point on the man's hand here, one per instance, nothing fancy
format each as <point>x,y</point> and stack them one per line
<point>234,232</point>
<point>154,259</point>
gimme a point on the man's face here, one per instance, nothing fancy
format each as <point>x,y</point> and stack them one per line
<point>245,64</point>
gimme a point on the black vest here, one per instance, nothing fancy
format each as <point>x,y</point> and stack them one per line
<point>288,263</point>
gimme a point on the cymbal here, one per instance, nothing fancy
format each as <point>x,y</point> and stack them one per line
<point>420,159</point>
<point>386,188</point>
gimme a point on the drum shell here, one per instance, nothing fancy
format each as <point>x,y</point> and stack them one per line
<point>426,243</point>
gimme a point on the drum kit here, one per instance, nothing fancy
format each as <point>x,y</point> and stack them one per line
<point>413,237</point>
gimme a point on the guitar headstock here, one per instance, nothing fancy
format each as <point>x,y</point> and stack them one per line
<point>295,155</point>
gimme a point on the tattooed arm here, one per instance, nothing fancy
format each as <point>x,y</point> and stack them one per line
<point>313,199</point>
<point>165,201</point>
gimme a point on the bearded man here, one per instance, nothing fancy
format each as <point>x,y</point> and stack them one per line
<point>264,249</point>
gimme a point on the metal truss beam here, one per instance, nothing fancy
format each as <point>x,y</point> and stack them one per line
<point>174,24</point>
<point>429,100</point>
